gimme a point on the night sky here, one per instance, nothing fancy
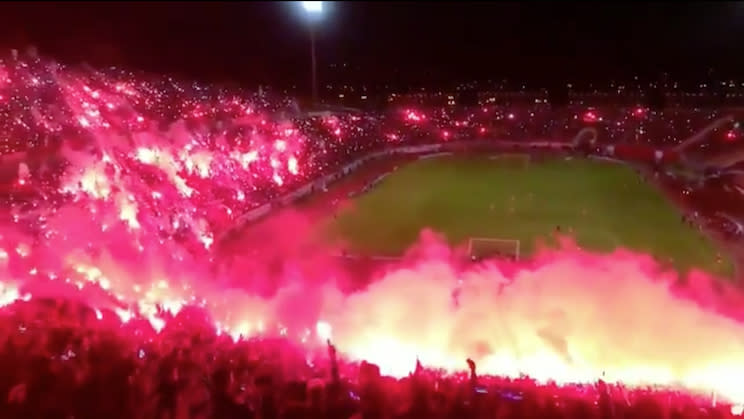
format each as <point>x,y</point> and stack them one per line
<point>391,42</point>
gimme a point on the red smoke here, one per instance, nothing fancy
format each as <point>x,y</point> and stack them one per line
<point>131,227</point>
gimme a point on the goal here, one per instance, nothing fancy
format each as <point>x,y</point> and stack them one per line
<point>480,248</point>
<point>512,160</point>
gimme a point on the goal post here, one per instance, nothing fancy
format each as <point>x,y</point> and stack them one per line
<point>480,248</point>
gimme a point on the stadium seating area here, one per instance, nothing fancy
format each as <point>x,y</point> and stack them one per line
<point>136,164</point>
<point>62,359</point>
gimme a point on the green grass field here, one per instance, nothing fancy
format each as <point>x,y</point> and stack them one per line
<point>605,205</point>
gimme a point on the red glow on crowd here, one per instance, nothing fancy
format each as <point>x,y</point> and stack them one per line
<point>156,173</point>
<point>414,116</point>
<point>590,117</point>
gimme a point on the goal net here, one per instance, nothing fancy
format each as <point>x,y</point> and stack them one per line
<point>512,160</point>
<point>480,248</point>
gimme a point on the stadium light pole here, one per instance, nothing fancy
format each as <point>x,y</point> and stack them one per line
<point>313,9</point>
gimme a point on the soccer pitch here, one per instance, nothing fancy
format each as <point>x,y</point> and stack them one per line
<point>602,205</point>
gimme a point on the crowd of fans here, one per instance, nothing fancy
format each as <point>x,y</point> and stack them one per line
<point>268,146</point>
<point>63,360</point>
<point>112,138</point>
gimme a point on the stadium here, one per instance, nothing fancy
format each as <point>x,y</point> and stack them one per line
<point>159,232</point>
<point>493,199</point>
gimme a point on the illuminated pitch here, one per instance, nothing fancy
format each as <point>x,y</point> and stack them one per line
<point>604,206</point>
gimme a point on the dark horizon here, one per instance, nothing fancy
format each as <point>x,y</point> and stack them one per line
<point>401,44</point>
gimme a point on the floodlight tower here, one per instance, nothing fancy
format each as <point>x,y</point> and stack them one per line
<point>313,10</point>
